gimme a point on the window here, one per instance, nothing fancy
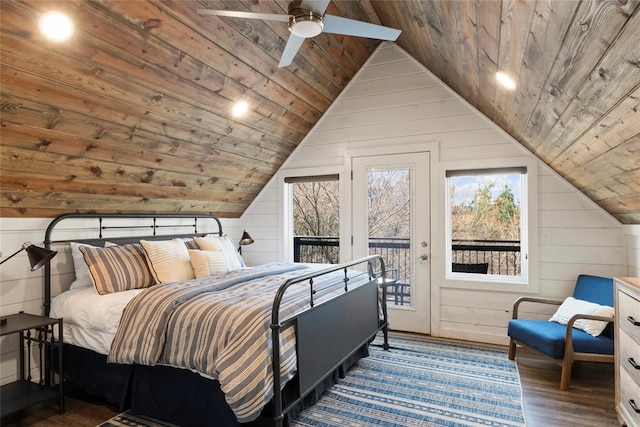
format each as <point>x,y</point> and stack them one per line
<point>487,224</point>
<point>315,205</point>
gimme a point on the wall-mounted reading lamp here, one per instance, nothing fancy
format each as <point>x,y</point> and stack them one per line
<point>37,258</point>
<point>245,240</point>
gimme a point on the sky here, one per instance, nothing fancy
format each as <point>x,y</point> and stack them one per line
<point>465,186</point>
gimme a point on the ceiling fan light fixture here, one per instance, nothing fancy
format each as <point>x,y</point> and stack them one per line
<point>305,23</point>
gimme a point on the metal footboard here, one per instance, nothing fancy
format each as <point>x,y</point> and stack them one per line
<point>327,334</point>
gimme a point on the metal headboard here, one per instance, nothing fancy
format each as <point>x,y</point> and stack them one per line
<point>120,232</point>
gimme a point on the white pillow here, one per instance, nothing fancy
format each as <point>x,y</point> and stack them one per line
<point>207,263</point>
<point>221,243</point>
<point>572,306</point>
<point>230,247</point>
<point>168,260</point>
<point>83,275</point>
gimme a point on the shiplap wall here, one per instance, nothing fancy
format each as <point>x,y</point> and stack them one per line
<point>22,289</point>
<point>394,101</point>
<point>632,238</point>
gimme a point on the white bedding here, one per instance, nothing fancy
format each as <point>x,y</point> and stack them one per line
<point>90,319</point>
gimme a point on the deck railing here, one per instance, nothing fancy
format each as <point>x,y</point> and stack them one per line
<point>318,249</point>
<point>326,249</point>
<point>394,250</point>
<point>501,256</point>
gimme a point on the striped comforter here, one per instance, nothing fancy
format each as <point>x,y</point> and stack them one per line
<point>219,326</point>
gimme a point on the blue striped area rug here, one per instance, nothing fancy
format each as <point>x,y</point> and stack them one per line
<point>423,381</point>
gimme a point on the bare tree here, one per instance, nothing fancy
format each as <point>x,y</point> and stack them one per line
<point>389,199</point>
<point>316,209</point>
<point>316,212</point>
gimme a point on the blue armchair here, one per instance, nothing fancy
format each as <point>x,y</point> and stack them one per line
<point>564,342</point>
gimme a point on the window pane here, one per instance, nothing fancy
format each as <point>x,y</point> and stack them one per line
<point>486,223</point>
<point>389,225</point>
<point>316,222</point>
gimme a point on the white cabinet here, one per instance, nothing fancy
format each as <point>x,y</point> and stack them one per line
<point>628,350</point>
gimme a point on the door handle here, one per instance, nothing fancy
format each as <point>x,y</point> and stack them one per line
<point>423,257</point>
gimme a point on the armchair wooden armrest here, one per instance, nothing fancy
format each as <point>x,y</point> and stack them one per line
<point>569,336</point>
<point>520,300</point>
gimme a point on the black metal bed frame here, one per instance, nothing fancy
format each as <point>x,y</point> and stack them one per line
<point>327,334</point>
<point>100,228</point>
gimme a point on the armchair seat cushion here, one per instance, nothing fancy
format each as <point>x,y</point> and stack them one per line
<point>548,337</point>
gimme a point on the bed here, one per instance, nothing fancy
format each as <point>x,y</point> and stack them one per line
<point>196,339</point>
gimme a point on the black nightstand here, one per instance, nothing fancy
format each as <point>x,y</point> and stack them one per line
<point>37,332</point>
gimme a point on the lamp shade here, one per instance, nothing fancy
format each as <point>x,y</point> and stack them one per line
<point>39,256</point>
<point>245,239</point>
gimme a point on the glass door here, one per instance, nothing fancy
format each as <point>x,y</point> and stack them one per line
<point>391,218</point>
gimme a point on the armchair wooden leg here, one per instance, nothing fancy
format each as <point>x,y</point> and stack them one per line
<point>565,378</point>
<point>512,349</point>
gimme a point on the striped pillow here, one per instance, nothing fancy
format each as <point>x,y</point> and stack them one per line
<point>168,260</point>
<point>117,268</point>
<point>208,263</point>
<point>190,243</point>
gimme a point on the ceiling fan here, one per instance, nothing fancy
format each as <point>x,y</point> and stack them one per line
<point>306,19</point>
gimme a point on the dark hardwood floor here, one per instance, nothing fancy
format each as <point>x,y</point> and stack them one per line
<point>588,403</point>
<point>81,411</point>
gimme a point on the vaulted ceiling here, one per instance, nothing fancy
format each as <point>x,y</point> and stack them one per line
<point>134,112</point>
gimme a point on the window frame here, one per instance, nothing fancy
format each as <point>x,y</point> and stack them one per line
<point>528,280</point>
<point>288,176</point>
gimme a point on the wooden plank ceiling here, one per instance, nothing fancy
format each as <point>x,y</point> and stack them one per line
<point>134,112</point>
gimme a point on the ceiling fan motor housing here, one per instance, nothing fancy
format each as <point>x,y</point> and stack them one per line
<point>304,23</point>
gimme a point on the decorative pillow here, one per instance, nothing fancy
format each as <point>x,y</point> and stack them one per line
<point>168,260</point>
<point>207,263</point>
<point>82,274</point>
<point>221,243</point>
<point>572,306</point>
<point>117,268</point>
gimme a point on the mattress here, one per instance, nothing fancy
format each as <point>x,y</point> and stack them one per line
<point>90,319</point>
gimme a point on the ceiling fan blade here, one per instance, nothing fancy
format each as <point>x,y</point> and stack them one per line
<point>318,6</point>
<point>293,44</point>
<point>245,15</point>
<point>350,27</point>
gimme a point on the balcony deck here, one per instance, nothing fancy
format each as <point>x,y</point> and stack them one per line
<point>496,257</point>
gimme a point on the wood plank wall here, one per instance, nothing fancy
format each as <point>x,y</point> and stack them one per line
<point>393,98</point>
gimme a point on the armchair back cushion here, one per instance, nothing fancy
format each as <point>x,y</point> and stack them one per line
<point>596,289</point>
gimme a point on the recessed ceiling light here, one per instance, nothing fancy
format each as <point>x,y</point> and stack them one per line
<point>240,108</point>
<point>505,80</point>
<point>56,26</point>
